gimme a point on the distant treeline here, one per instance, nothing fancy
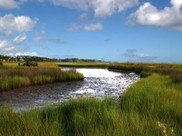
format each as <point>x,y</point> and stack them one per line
<point>2,57</point>
<point>39,59</point>
<point>26,58</point>
<point>79,60</point>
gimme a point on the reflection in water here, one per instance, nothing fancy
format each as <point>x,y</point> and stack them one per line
<point>97,83</point>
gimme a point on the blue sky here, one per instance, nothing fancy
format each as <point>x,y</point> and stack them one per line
<point>110,30</point>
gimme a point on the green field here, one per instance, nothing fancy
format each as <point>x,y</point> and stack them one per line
<point>150,107</point>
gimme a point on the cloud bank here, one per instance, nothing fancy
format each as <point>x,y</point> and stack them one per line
<point>8,4</point>
<point>147,14</point>
<point>100,8</point>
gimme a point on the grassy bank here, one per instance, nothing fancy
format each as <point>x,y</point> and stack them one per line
<point>40,64</point>
<point>13,78</point>
<point>83,64</point>
<point>146,69</point>
<point>151,107</point>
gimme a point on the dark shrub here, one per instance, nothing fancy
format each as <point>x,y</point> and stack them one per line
<point>27,63</point>
<point>144,74</point>
<point>176,77</point>
<point>1,64</point>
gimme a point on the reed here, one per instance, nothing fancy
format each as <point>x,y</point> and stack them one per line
<point>13,78</point>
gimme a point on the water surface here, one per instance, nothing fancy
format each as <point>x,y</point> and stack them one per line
<point>97,83</point>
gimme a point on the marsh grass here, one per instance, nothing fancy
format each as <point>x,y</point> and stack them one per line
<point>84,64</point>
<point>13,78</point>
<point>39,64</point>
<point>42,79</point>
<point>154,99</point>
<point>150,107</point>
<point>146,69</point>
<point>14,82</point>
<point>47,64</point>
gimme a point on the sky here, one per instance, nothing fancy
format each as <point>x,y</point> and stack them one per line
<point>108,30</point>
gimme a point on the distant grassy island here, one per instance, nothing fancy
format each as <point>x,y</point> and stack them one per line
<point>150,107</point>
<point>14,75</point>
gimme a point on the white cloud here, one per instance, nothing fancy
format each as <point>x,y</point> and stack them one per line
<point>3,43</point>
<point>147,14</point>
<point>108,7</point>
<point>26,54</point>
<point>81,4</point>
<point>8,4</point>
<point>9,49</point>
<point>39,35</point>
<point>10,23</point>
<point>20,38</point>
<point>93,27</point>
<point>100,8</point>
<point>90,27</point>
<point>133,56</point>
<point>6,46</point>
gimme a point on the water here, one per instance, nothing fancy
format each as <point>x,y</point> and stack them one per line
<point>97,83</point>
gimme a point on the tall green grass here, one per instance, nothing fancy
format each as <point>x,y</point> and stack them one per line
<point>14,82</point>
<point>146,69</point>
<point>156,99</point>
<point>13,78</point>
<point>150,107</point>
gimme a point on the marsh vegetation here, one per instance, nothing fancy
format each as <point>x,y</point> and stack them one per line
<point>18,77</point>
<point>151,106</point>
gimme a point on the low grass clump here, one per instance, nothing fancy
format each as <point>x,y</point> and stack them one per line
<point>144,74</point>
<point>42,79</point>
<point>14,82</point>
<point>13,78</point>
<point>150,107</point>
